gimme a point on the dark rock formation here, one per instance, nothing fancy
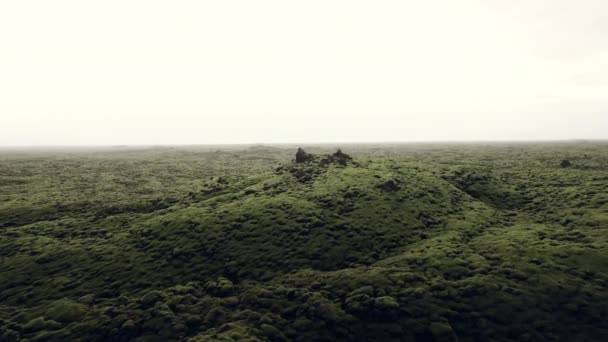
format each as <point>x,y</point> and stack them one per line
<point>566,163</point>
<point>390,186</point>
<point>341,157</point>
<point>302,156</point>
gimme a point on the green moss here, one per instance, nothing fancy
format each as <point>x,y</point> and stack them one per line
<point>221,287</point>
<point>272,333</point>
<point>66,311</point>
<point>386,303</point>
<point>151,298</point>
<point>442,332</point>
<point>242,245</point>
<point>40,323</point>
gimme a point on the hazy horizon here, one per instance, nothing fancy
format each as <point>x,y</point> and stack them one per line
<point>310,144</point>
<point>274,72</point>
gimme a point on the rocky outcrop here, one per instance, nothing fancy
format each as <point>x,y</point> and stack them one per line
<point>308,166</point>
<point>339,157</point>
<point>302,156</point>
<point>390,186</point>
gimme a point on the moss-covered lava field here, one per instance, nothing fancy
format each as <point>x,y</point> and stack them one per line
<point>412,242</point>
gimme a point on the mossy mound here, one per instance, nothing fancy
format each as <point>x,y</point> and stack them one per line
<point>66,311</point>
<point>343,218</point>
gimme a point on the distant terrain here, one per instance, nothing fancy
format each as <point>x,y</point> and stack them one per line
<point>404,242</point>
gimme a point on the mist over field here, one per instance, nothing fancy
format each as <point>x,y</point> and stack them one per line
<point>336,170</point>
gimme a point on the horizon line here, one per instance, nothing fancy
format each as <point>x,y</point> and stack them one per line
<point>456,141</point>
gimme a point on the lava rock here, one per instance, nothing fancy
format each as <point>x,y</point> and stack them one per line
<point>390,186</point>
<point>302,156</point>
<point>341,157</point>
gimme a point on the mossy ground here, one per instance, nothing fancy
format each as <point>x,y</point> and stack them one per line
<point>403,243</point>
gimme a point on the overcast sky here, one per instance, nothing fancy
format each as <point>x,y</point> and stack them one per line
<point>194,72</point>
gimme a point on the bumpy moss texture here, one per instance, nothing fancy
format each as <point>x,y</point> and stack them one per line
<point>401,243</point>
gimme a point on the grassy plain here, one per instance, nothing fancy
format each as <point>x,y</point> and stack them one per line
<point>412,242</point>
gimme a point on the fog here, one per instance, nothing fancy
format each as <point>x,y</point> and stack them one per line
<point>209,72</point>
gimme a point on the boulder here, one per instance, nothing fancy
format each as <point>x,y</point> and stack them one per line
<point>302,156</point>
<point>390,186</point>
<point>341,157</point>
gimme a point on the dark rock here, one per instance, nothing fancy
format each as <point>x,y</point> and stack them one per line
<point>566,163</point>
<point>302,175</point>
<point>390,186</point>
<point>341,157</point>
<point>302,156</point>
<point>325,161</point>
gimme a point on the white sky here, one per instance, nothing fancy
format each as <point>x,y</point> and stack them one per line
<point>191,72</point>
